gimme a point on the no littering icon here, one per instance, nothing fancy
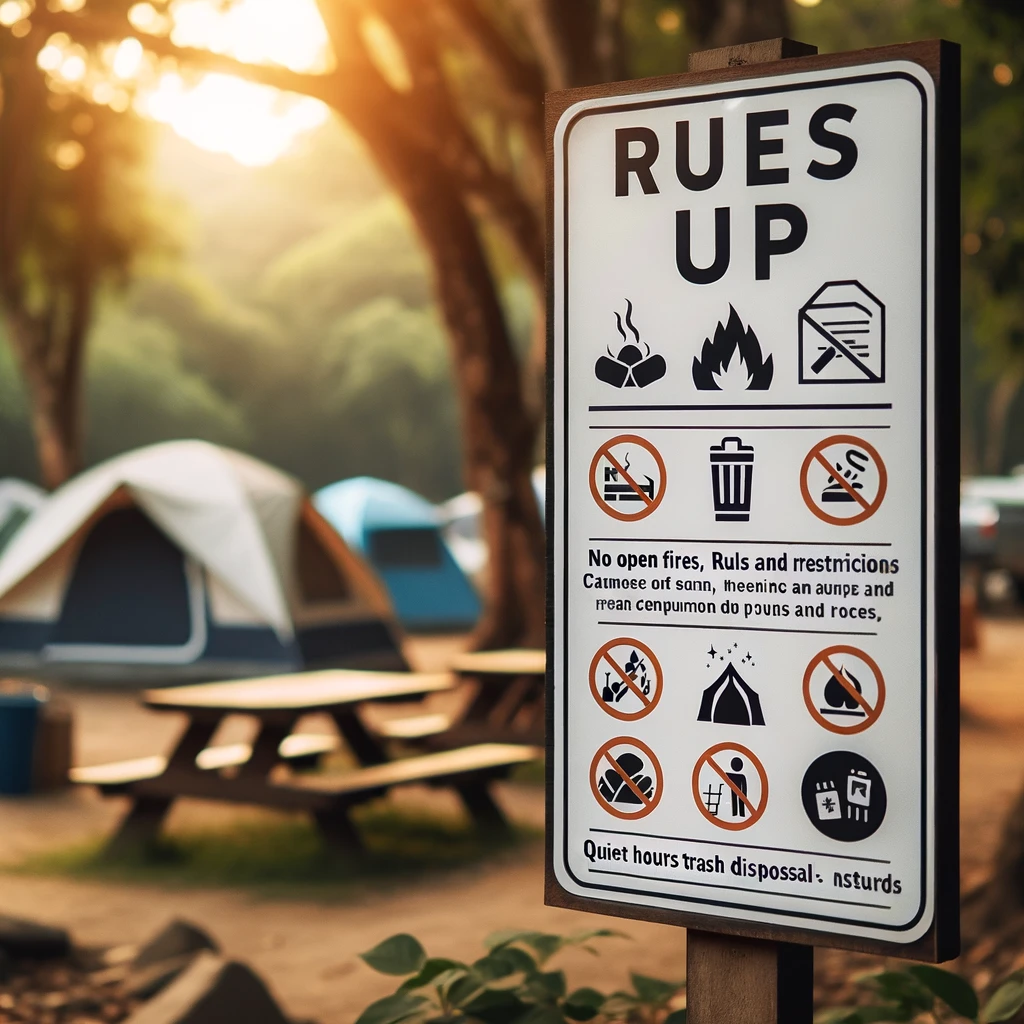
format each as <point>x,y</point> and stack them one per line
<point>730,786</point>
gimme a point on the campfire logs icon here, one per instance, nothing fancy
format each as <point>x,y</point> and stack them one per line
<point>733,361</point>
<point>632,366</point>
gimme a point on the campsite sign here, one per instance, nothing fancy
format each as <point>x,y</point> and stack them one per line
<point>752,507</point>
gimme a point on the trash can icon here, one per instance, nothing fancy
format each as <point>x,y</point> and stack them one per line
<point>732,470</point>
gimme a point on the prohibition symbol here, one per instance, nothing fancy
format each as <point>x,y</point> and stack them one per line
<point>626,679</point>
<point>626,778</point>
<point>730,786</point>
<point>844,690</point>
<point>843,480</point>
<point>627,477</point>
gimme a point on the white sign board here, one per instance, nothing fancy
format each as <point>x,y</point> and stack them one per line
<point>743,464</point>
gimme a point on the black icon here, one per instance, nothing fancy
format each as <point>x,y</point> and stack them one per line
<point>712,796</point>
<point>615,491</point>
<point>729,700</point>
<point>844,796</point>
<point>613,786</point>
<point>717,370</point>
<point>842,336</point>
<point>631,367</point>
<point>732,471</point>
<point>615,689</point>
<point>739,808</point>
<point>855,464</point>
<point>839,699</point>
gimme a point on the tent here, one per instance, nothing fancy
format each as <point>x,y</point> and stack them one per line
<point>18,500</point>
<point>730,701</point>
<point>461,520</point>
<point>185,561</point>
<point>398,531</point>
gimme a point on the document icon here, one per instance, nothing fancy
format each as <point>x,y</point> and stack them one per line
<point>842,336</point>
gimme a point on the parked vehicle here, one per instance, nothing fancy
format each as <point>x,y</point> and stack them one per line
<point>992,524</point>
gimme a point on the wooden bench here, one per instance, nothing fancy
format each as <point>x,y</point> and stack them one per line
<point>330,798</point>
<point>300,750</point>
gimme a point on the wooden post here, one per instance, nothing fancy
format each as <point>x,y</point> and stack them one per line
<point>747,981</point>
<point>731,980</point>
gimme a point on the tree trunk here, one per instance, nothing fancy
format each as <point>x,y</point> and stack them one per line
<point>497,433</point>
<point>714,23</point>
<point>55,394</point>
<point>999,404</point>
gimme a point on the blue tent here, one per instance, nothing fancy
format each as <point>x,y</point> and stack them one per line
<point>397,531</point>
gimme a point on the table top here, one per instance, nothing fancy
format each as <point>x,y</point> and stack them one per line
<point>302,691</point>
<point>520,661</point>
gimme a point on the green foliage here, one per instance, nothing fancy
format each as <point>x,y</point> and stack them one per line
<point>1007,1000</point>
<point>289,858</point>
<point>904,995</point>
<point>510,984</point>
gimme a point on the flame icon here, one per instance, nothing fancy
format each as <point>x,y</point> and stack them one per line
<point>733,361</point>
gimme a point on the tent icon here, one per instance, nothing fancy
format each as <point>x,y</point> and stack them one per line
<point>730,701</point>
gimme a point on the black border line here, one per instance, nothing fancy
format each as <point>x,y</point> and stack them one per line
<point>925,497</point>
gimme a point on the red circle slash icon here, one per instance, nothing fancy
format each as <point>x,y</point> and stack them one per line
<point>626,778</point>
<point>849,480</point>
<point>730,786</point>
<point>844,690</point>
<point>626,679</point>
<point>627,478</point>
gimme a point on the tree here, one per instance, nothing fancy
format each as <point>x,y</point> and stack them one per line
<point>72,219</point>
<point>447,95</point>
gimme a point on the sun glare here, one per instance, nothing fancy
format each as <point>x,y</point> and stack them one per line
<point>254,124</point>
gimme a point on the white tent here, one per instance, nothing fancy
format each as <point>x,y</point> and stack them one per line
<point>18,499</point>
<point>186,554</point>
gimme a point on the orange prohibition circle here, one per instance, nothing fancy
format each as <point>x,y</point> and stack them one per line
<point>816,456</point>
<point>755,811</point>
<point>649,502</point>
<point>648,702</point>
<point>866,714</point>
<point>646,803</point>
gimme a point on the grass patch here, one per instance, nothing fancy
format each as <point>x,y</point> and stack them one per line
<point>283,856</point>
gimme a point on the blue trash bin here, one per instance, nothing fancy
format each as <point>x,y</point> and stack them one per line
<point>19,715</point>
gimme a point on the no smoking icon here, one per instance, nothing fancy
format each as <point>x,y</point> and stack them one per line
<point>627,478</point>
<point>626,678</point>
<point>843,480</point>
<point>844,690</point>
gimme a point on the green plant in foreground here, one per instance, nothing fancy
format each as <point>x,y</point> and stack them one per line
<point>920,989</point>
<point>512,985</point>
<point>509,985</point>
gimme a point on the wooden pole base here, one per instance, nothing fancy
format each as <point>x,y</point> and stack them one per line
<point>747,981</point>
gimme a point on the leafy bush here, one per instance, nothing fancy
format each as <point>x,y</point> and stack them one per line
<point>904,995</point>
<point>511,984</point>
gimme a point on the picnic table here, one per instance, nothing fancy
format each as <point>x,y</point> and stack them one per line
<point>507,702</point>
<point>245,773</point>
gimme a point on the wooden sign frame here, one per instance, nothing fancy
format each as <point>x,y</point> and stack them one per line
<point>941,60</point>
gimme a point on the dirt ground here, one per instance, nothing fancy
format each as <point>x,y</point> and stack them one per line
<point>308,950</point>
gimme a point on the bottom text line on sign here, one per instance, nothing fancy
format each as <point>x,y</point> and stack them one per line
<point>668,859</point>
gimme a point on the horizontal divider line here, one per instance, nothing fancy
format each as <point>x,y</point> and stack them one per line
<point>741,408</point>
<point>748,629</point>
<point>742,426</point>
<point>739,846</point>
<point>739,888</point>
<point>724,541</point>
